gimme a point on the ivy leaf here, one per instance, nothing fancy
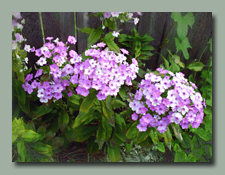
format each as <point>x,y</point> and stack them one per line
<point>183,45</point>
<point>182,23</point>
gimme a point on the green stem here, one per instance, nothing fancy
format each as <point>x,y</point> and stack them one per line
<point>161,44</point>
<point>42,28</point>
<point>75,24</point>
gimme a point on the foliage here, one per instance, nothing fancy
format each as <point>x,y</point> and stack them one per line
<point>100,118</point>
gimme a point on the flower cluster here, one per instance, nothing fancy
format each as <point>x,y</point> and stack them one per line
<point>53,77</point>
<point>19,58</point>
<point>17,27</point>
<point>63,70</point>
<point>163,98</point>
<point>123,16</point>
<point>106,72</point>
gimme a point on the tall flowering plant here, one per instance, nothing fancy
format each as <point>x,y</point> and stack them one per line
<point>62,70</point>
<point>164,98</point>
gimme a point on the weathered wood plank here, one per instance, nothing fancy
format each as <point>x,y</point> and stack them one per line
<point>59,25</point>
<point>32,32</point>
<point>83,20</point>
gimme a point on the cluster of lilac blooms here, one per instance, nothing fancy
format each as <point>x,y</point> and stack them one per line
<point>105,71</point>
<point>126,16</point>
<point>167,98</point>
<point>17,22</point>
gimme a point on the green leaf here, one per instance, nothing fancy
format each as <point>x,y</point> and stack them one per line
<point>85,133</point>
<point>182,23</point>
<point>88,102</point>
<point>43,148</point>
<point>120,121</point>
<point>160,147</point>
<point>63,120</point>
<point>86,30</point>
<point>183,45</point>
<point>146,38</point>
<point>210,44</point>
<point>177,132</point>
<point>107,127</point>
<point>147,47</point>
<point>110,24</point>
<point>203,134</point>
<point>113,153</point>
<point>75,99</point>
<point>94,36</point>
<point>21,94</point>
<point>180,155</point>
<point>82,118</point>
<point>141,73</point>
<point>210,150</point>
<point>42,110</point>
<point>107,111</point>
<point>128,146</point>
<point>198,153</point>
<point>109,40</point>
<point>57,142</point>
<point>141,136</point>
<point>167,138</point>
<point>16,112</point>
<point>132,131</point>
<point>101,133</point>
<point>195,66</point>
<point>116,103</point>
<point>22,151</point>
<point>194,143</point>
<point>187,140</point>
<point>92,146</point>
<point>122,93</point>
<point>30,136</point>
<point>154,135</point>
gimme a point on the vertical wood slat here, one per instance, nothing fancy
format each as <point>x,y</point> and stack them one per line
<point>59,25</point>
<point>155,24</point>
<point>32,32</point>
<point>84,19</point>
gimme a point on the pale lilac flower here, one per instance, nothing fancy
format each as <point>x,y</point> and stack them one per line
<point>107,14</point>
<point>72,39</point>
<point>176,118</point>
<point>134,116</point>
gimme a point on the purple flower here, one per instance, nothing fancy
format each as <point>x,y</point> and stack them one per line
<point>38,73</point>
<point>70,93</point>
<point>57,96</point>
<point>101,44</point>
<point>141,128</point>
<point>134,116</point>
<point>82,91</point>
<point>101,96</point>
<point>125,51</point>
<point>29,77</point>
<point>19,37</point>
<point>38,52</point>
<point>107,14</point>
<point>138,94</point>
<point>49,38</point>
<point>176,118</point>
<point>71,40</point>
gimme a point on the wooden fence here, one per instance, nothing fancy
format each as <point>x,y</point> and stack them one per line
<point>156,24</point>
